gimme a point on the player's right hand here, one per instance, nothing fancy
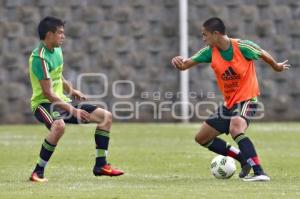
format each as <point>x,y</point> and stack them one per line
<point>177,62</point>
<point>82,115</point>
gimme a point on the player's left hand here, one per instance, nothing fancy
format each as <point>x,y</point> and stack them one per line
<point>283,66</point>
<point>78,95</point>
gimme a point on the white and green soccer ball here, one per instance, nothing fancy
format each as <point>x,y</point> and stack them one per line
<point>222,167</point>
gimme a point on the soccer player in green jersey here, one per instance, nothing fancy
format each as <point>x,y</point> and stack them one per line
<point>233,66</point>
<point>53,108</point>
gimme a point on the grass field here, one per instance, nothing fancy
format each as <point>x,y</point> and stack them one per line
<point>160,160</point>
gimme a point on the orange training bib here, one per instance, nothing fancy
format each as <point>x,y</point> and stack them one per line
<point>236,78</point>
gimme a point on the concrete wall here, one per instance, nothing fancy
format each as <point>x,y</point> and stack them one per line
<point>135,40</point>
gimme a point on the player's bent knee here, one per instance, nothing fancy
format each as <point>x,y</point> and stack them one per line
<point>108,117</point>
<point>58,127</point>
<point>105,121</point>
<point>234,130</point>
<point>103,116</point>
<point>200,139</point>
<point>237,125</point>
<point>197,139</point>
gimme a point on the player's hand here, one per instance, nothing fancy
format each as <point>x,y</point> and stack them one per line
<point>282,66</point>
<point>78,95</point>
<point>82,115</point>
<point>177,62</point>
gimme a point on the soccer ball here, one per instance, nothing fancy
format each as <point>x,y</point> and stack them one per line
<point>222,167</point>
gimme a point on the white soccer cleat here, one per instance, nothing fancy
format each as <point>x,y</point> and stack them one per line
<point>255,178</point>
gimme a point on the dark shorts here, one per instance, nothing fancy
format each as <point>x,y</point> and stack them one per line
<point>220,120</point>
<point>46,113</point>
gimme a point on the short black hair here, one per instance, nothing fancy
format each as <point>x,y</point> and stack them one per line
<point>49,24</point>
<point>215,24</point>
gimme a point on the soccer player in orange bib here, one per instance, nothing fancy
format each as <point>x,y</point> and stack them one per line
<point>233,65</point>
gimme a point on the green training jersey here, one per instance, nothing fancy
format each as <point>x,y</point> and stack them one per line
<point>249,49</point>
<point>46,64</point>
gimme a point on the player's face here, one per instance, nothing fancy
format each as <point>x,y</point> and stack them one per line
<point>58,36</point>
<point>209,38</point>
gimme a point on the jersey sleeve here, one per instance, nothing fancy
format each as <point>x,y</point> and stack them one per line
<point>40,69</point>
<point>203,56</point>
<point>250,50</point>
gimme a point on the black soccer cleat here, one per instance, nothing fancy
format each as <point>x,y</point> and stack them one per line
<point>245,170</point>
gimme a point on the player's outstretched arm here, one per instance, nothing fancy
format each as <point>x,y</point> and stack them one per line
<point>277,66</point>
<point>181,63</point>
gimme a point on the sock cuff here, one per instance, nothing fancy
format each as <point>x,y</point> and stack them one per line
<point>102,132</point>
<point>240,137</point>
<point>99,129</point>
<point>48,146</point>
<point>49,143</point>
<point>206,145</point>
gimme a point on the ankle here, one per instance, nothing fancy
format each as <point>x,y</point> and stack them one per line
<point>38,168</point>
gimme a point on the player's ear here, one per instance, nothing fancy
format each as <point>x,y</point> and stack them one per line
<point>215,34</point>
<point>49,34</point>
